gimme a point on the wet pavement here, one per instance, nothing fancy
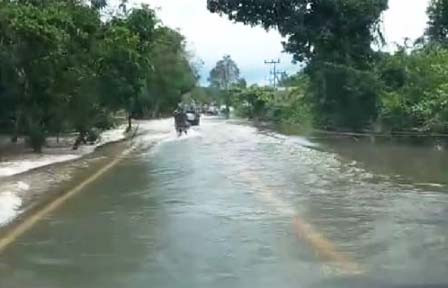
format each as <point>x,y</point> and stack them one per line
<point>233,206</point>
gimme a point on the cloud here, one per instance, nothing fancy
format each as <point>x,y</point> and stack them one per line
<point>211,37</point>
<point>404,19</point>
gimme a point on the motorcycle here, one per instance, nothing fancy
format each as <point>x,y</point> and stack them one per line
<point>182,129</point>
<point>181,124</point>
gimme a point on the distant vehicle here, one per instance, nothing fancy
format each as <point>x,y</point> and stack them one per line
<point>224,110</point>
<point>193,116</point>
<point>212,111</point>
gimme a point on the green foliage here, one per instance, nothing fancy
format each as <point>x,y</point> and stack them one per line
<point>36,136</point>
<point>404,92</point>
<point>206,95</point>
<point>33,41</point>
<point>203,95</point>
<point>289,107</point>
<point>346,84</point>
<point>172,74</point>
<point>416,95</point>
<point>224,74</point>
<point>64,69</point>
<point>300,113</point>
<point>437,30</point>
<point>98,4</point>
<point>334,38</point>
<point>296,105</point>
<point>253,101</point>
<point>325,30</point>
<point>344,97</point>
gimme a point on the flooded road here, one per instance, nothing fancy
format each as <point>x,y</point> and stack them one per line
<point>231,206</point>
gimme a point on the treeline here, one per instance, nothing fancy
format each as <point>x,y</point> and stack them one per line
<point>347,84</point>
<point>69,66</point>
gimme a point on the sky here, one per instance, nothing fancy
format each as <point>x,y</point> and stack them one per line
<point>210,36</point>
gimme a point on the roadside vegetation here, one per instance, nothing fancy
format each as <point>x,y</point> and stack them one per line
<point>74,66</point>
<point>348,83</point>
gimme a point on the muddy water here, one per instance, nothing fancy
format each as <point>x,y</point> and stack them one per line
<point>232,206</point>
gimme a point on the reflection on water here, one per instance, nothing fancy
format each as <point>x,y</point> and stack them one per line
<point>216,209</point>
<point>419,161</point>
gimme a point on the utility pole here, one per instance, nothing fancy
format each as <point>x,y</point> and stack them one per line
<point>227,76</point>
<point>277,77</point>
<point>273,70</point>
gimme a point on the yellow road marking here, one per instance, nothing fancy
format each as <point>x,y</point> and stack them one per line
<point>26,225</point>
<point>323,247</point>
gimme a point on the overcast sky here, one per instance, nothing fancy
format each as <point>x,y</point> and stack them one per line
<point>210,36</point>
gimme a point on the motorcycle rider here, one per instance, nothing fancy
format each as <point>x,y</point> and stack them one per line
<point>180,120</point>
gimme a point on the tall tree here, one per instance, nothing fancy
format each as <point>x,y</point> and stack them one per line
<point>172,74</point>
<point>65,69</point>
<point>32,42</point>
<point>120,69</point>
<point>437,30</point>
<point>336,30</point>
<point>98,4</point>
<point>223,76</point>
<point>334,37</point>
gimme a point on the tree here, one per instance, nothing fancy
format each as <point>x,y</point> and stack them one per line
<point>78,82</point>
<point>253,101</point>
<point>172,74</point>
<point>344,97</point>
<point>334,38</point>
<point>328,30</point>
<point>65,69</point>
<point>225,74</point>
<point>416,94</point>
<point>32,42</point>
<point>120,70</point>
<point>289,80</point>
<point>142,22</point>
<point>437,30</point>
<point>242,83</point>
<point>98,4</point>
<point>126,59</point>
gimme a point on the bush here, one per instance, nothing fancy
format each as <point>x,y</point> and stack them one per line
<point>300,113</point>
<point>105,121</point>
<point>253,102</point>
<point>416,93</point>
<point>343,97</point>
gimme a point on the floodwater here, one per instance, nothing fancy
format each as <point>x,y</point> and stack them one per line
<point>233,206</point>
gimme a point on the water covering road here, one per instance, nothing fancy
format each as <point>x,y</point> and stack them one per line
<point>232,206</point>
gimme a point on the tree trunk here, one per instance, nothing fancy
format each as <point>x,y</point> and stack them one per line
<point>37,149</point>
<point>227,104</point>
<point>129,123</point>
<point>15,135</point>
<point>15,138</point>
<point>80,140</point>
<point>155,111</point>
